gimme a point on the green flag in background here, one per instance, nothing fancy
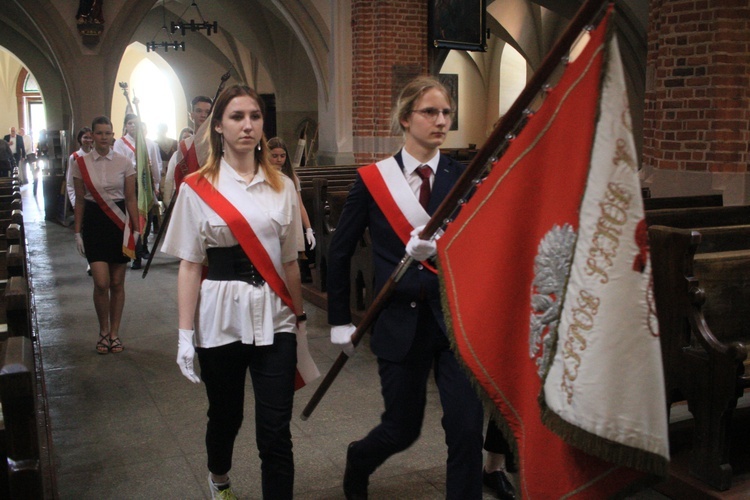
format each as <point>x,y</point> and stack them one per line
<point>145,185</point>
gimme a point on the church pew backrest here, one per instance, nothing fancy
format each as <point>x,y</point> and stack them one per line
<point>699,216</point>
<point>710,200</point>
<point>701,302</point>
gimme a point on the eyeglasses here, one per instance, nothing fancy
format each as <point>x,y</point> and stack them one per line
<point>433,113</point>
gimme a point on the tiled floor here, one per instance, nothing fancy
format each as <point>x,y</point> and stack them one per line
<point>130,426</point>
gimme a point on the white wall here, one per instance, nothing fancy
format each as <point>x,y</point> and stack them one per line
<point>10,67</point>
<point>471,99</point>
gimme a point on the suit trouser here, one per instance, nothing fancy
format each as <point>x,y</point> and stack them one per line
<point>495,442</point>
<point>272,370</point>
<point>404,389</point>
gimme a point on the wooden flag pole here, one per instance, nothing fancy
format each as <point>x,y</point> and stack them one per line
<point>168,211</point>
<point>488,154</point>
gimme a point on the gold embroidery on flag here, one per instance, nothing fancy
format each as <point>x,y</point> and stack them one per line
<point>583,321</point>
<point>606,239</point>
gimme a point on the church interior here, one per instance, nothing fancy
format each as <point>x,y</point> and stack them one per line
<point>328,71</point>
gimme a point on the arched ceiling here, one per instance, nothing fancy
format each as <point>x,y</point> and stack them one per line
<point>287,37</point>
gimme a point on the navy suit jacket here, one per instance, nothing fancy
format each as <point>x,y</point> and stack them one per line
<point>395,328</point>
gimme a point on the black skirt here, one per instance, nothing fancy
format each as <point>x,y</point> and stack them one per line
<point>102,239</point>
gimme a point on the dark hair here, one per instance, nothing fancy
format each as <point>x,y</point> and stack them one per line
<point>211,169</point>
<point>200,98</point>
<point>83,130</point>
<point>128,117</point>
<point>100,120</point>
<point>186,129</point>
<point>287,168</point>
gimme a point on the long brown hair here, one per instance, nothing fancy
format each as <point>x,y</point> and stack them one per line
<point>287,168</point>
<point>211,169</point>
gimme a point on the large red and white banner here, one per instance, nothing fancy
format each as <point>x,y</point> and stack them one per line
<point>547,291</point>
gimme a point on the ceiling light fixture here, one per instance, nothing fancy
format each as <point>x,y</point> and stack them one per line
<point>183,25</point>
<point>166,45</point>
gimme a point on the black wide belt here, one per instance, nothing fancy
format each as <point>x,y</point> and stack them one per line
<point>232,264</point>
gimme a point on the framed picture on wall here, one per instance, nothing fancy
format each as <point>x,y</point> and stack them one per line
<point>458,24</point>
<point>450,81</point>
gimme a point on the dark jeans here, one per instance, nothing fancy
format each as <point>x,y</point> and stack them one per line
<point>272,370</point>
<point>404,389</point>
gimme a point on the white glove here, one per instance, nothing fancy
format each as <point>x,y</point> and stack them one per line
<point>310,237</point>
<point>342,335</point>
<point>79,245</point>
<point>186,355</point>
<point>419,249</point>
<point>302,328</point>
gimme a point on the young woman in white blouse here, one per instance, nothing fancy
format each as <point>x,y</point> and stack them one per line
<point>241,216</point>
<point>106,212</point>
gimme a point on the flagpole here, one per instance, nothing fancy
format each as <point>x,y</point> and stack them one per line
<point>168,211</point>
<point>589,12</point>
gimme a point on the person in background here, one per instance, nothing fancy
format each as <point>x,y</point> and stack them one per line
<point>154,155</point>
<point>280,159</point>
<point>105,212</point>
<point>185,133</point>
<point>125,146</point>
<point>42,159</point>
<point>251,300</point>
<point>409,335</point>
<point>200,107</point>
<point>167,145</point>
<point>16,144</point>
<point>28,146</point>
<point>85,141</point>
<point>6,159</point>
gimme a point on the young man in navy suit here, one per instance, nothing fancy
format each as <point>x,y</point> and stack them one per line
<point>394,199</point>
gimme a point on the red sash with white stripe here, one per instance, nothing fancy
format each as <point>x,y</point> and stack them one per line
<point>259,256</point>
<point>394,197</point>
<point>120,218</point>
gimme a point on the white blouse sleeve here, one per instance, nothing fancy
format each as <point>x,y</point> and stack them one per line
<point>184,238</point>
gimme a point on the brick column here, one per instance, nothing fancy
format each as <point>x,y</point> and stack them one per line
<point>698,86</point>
<point>389,43</point>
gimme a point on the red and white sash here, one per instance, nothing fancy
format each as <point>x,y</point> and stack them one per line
<point>187,162</point>
<point>389,188</point>
<point>128,144</point>
<point>108,206</point>
<point>260,242</point>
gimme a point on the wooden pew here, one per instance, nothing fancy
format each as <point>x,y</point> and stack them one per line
<point>710,200</point>
<point>338,180</point>
<point>25,436</point>
<point>18,399</point>
<point>699,217</point>
<point>704,319</point>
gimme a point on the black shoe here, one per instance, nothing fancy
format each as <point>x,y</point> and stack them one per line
<point>355,481</point>
<point>136,264</point>
<point>498,482</point>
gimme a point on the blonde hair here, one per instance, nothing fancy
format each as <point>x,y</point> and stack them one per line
<point>410,94</point>
<point>210,169</point>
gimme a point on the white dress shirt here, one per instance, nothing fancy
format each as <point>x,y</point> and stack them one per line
<point>235,310</point>
<point>109,173</point>
<point>410,170</point>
